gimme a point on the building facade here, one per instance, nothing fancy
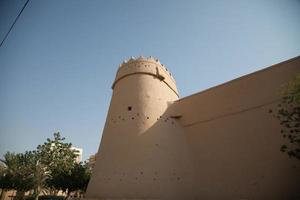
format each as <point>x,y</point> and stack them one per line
<point>79,152</point>
<point>221,143</point>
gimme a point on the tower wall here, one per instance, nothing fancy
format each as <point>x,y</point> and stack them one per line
<point>143,152</point>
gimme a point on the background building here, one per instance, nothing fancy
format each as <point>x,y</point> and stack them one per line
<point>79,154</point>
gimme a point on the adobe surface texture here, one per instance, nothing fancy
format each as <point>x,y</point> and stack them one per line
<point>221,143</point>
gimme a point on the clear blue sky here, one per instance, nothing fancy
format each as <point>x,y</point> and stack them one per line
<point>59,61</point>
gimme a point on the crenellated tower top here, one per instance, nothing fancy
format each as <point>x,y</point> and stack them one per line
<point>147,66</point>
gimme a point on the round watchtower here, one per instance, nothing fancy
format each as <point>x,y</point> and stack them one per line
<point>143,152</point>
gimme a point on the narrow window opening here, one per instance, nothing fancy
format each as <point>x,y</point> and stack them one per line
<point>129,108</point>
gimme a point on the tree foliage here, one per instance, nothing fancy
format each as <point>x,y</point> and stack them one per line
<point>19,173</point>
<point>75,179</point>
<point>56,154</point>
<point>52,165</point>
<point>289,116</point>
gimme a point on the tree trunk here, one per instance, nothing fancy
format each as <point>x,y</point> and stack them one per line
<point>36,193</point>
<point>68,194</point>
<point>20,195</point>
<point>3,193</point>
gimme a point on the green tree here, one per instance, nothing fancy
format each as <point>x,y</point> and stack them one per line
<point>289,116</point>
<point>57,154</point>
<point>18,173</point>
<point>46,167</point>
<point>75,179</point>
<point>57,157</point>
<point>40,174</point>
<point>5,181</point>
<point>54,155</point>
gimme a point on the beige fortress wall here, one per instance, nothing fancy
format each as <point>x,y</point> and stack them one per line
<point>143,153</point>
<point>235,141</point>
